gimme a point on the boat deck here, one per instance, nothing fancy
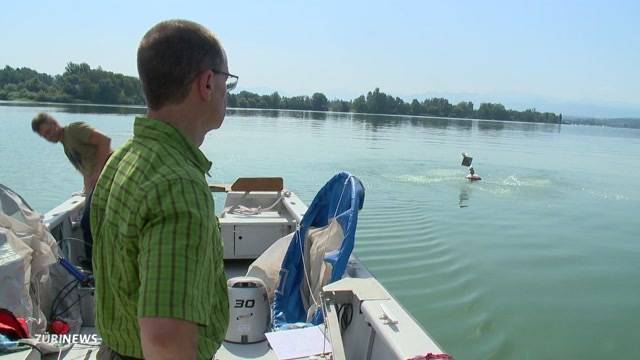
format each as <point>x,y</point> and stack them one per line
<point>228,351</point>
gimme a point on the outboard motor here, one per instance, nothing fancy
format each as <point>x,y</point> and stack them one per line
<point>249,311</point>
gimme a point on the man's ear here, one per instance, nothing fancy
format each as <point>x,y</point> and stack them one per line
<point>204,82</point>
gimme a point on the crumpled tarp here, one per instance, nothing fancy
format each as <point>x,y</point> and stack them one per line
<point>321,246</point>
<point>27,253</point>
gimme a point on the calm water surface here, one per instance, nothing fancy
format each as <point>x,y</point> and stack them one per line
<point>539,260</point>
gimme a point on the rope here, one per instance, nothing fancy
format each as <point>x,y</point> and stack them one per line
<point>243,210</point>
<point>57,300</point>
<point>78,240</point>
<point>72,305</point>
<point>304,267</point>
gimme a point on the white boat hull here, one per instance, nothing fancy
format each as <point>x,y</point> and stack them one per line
<point>368,323</point>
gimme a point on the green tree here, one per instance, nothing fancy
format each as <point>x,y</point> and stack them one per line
<point>376,102</point>
<point>275,100</point>
<point>232,100</point>
<point>463,109</point>
<point>493,111</point>
<point>416,108</point>
<point>437,107</point>
<point>106,92</point>
<point>339,105</point>
<point>77,69</point>
<point>359,104</point>
<point>319,102</point>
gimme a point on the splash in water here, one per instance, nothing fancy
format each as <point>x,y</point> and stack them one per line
<point>512,181</point>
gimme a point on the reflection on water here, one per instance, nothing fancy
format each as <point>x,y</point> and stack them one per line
<point>462,124</point>
<point>374,122</point>
<point>79,108</point>
<point>463,198</point>
<point>255,113</point>
<point>106,109</point>
<point>433,123</point>
<point>296,114</point>
<point>318,116</point>
<point>371,121</point>
<point>490,125</point>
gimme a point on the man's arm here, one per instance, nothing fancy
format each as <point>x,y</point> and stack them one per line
<point>175,296</point>
<point>168,338</point>
<point>103,150</point>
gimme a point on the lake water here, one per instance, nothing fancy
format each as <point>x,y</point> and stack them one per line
<point>539,260</point>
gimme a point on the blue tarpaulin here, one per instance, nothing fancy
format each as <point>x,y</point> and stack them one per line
<point>340,198</point>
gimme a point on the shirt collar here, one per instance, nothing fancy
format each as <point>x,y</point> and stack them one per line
<point>165,132</point>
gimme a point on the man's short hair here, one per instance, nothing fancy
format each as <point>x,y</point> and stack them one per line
<point>40,119</point>
<point>171,55</point>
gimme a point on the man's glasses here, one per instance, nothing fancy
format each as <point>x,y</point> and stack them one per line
<point>232,80</point>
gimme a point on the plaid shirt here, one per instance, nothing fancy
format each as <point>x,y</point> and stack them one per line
<point>157,248</point>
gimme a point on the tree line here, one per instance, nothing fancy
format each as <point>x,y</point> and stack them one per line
<point>377,102</point>
<point>78,84</point>
<point>81,83</point>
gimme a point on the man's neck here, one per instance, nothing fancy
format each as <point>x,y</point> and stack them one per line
<point>182,118</point>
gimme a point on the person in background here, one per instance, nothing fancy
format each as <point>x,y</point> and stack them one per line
<point>161,290</point>
<point>87,149</point>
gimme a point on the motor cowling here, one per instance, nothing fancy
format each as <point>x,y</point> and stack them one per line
<point>248,310</point>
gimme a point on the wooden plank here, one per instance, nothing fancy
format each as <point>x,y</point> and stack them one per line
<point>258,184</point>
<point>219,188</point>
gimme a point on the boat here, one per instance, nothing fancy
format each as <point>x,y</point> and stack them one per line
<point>359,318</point>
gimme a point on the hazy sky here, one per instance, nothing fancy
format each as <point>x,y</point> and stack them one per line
<point>579,57</point>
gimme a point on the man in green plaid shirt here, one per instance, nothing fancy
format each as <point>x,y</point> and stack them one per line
<point>160,283</point>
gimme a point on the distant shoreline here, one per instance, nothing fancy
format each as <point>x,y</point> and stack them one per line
<point>82,84</point>
<point>141,109</point>
<point>28,102</point>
